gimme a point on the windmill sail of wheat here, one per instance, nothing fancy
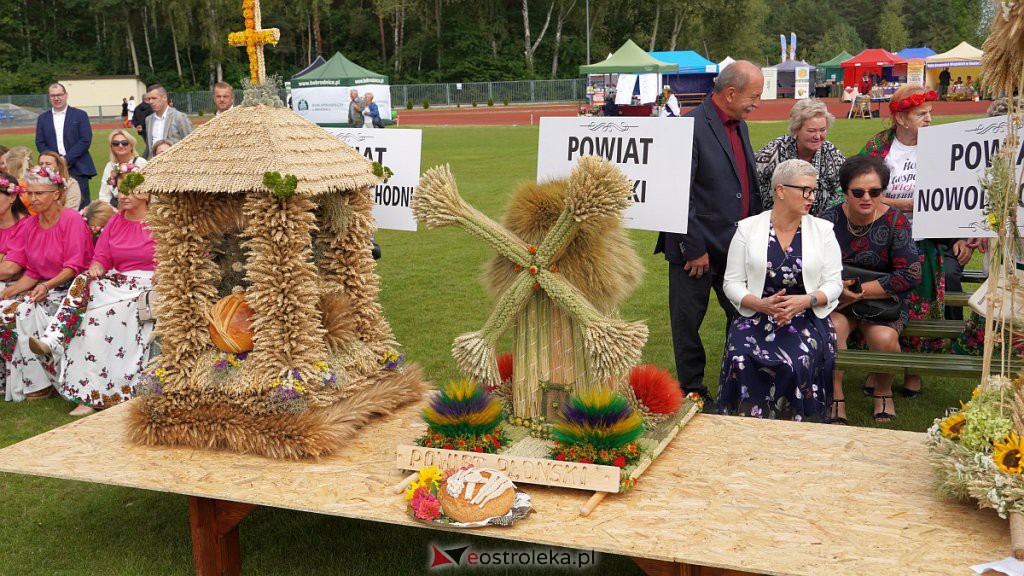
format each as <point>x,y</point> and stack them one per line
<point>563,265</point>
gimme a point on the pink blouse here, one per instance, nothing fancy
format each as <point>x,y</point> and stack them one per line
<point>7,236</point>
<point>125,245</point>
<point>43,253</point>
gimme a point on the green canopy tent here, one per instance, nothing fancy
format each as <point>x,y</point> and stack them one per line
<point>322,94</point>
<point>633,65</point>
<point>833,67</point>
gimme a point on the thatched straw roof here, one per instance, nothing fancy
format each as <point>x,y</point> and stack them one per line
<point>231,152</point>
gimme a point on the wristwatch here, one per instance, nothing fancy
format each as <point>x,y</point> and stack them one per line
<point>814,300</point>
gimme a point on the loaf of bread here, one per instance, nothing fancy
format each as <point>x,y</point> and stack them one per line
<point>475,494</point>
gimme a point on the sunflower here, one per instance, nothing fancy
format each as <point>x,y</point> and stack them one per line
<point>952,426</point>
<point>1008,456</point>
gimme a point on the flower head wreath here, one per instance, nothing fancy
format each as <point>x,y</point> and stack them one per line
<point>52,175</point>
<point>119,169</point>
<point>10,187</point>
<point>912,101</point>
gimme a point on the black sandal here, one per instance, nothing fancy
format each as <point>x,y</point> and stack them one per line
<point>835,410</point>
<point>884,417</point>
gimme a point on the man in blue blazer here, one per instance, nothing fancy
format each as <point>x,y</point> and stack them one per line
<point>67,131</point>
<point>723,191</point>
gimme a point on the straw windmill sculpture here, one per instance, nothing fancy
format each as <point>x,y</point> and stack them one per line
<point>323,359</point>
<point>564,263</point>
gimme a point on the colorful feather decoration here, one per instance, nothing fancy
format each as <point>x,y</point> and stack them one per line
<point>601,418</point>
<point>656,389</point>
<point>462,408</point>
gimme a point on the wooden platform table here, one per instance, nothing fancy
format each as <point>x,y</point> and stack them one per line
<point>729,496</point>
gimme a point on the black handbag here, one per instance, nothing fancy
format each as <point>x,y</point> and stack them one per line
<point>883,310</point>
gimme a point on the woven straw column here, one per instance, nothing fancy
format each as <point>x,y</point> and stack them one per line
<point>283,291</point>
<point>186,278</point>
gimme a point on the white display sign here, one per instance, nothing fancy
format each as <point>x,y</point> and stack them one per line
<point>654,153</point>
<point>951,159</point>
<point>399,150</point>
<point>771,84</point>
<point>329,104</point>
<point>649,88</point>
<point>624,88</point>
<point>802,88</point>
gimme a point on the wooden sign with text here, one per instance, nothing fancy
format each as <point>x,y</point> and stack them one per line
<point>520,469</point>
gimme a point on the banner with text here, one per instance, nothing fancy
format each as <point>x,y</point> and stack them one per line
<point>399,150</point>
<point>802,88</point>
<point>329,104</point>
<point>771,83</point>
<point>951,159</point>
<point>654,153</point>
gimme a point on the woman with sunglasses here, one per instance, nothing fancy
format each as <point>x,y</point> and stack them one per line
<point>49,250</point>
<point>911,110</point>
<point>784,276</point>
<point>122,151</point>
<point>876,237</point>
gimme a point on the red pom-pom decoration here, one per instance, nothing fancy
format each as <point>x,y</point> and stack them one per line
<point>505,366</point>
<point>656,389</point>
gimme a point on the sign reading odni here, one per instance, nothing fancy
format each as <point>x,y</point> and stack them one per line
<point>399,150</point>
<point>951,160</point>
<point>518,468</point>
<point>654,153</point>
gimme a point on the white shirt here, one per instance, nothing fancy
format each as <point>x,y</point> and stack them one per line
<point>219,112</point>
<point>131,107</point>
<point>58,127</point>
<point>156,133</point>
<point>672,104</point>
<point>902,163</point>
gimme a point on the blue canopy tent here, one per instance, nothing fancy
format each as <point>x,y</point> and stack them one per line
<point>696,74</point>
<point>911,53</point>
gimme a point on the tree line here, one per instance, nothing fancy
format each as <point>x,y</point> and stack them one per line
<point>182,43</point>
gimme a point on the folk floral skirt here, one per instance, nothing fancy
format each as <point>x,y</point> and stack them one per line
<point>21,319</point>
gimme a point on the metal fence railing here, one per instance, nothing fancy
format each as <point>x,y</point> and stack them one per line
<point>450,94</point>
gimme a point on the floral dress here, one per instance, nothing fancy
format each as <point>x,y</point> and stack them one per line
<point>772,371</point>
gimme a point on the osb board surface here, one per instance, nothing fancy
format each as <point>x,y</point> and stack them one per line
<point>739,493</point>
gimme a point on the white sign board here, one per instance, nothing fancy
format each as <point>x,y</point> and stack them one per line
<point>802,88</point>
<point>654,153</point>
<point>399,150</point>
<point>624,88</point>
<point>951,159</point>
<point>771,84</point>
<point>329,104</point>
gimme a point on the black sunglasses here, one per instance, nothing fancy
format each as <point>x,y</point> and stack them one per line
<point>119,142</point>
<point>806,191</point>
<point>873,192</point>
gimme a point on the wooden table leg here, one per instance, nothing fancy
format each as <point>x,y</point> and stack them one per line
<point>215,547</point>
<point>663,568</point>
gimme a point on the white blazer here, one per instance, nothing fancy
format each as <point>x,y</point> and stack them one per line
<point>748,261</point>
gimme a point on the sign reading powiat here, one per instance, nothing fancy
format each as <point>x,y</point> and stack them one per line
<point>951,159</point>
<point>399,150</point>
<point>654,153</point>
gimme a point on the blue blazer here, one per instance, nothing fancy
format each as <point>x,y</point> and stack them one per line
<point>77,139</point>
<point>714,192</point>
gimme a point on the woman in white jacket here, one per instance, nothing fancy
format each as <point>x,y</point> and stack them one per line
<point>784,276</point>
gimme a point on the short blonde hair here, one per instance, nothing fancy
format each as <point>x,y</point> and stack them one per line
<point>126,135</point>
<point>18,161</point>
<point>786,171</point>
<point>806,109</point>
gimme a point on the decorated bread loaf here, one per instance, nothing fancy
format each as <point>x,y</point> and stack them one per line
<point>475,494</point>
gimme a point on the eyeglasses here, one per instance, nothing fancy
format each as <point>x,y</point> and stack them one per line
<point>873,192</point>
<point>119,143</point>
<point>806,191</point>
<point>57,96</point>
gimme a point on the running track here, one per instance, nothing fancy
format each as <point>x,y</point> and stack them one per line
<point>523,115</point>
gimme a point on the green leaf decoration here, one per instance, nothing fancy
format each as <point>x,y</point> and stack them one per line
<point>280,186</point>
<point>382,171</point>
<point>130,182</point>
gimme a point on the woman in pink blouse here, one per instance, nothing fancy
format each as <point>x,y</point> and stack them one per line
<point>95,341</point>
<point>12,212</point>
<point>48,250</point>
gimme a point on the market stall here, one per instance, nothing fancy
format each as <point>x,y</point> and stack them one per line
<point>913,70</point>
<point>322,94</point>
<point>962,61</point>
<point>634,74</point>
<point>874,61</point>
<point>696,74</point>
<point>787,75</point>
<point>833,69</point>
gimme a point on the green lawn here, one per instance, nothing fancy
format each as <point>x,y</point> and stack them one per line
<point>431,292</point>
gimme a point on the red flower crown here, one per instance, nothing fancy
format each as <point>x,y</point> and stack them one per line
<point>912,101</point>
<point>51,175</point>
